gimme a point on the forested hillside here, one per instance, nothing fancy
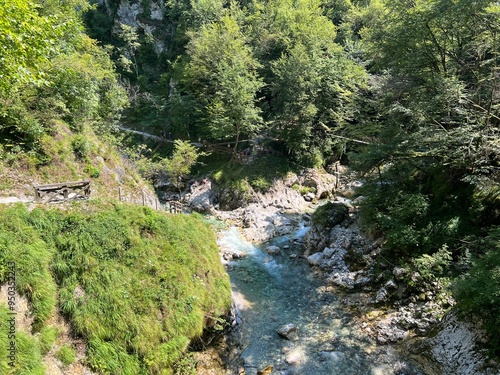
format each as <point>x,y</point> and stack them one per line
<point>99,286</point>
<point>412,85</point>
<point>405,92</point>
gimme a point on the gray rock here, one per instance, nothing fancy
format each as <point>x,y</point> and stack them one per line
<point>288,331</point>
<point>201,198</point>
<point>382,295</point>
<point>328,252</point>
<point>273,250</point>
<point>455,348</point>
<point>315,259</point>
<point>389,333</point>
<point>309,197</point>
<point>399,272</point>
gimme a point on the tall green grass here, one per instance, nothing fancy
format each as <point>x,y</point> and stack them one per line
<point>136,283</point>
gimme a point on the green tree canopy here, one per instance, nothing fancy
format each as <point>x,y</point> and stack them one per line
<point>311,81</point>
<point>221,76</point>
<point>27,40</point>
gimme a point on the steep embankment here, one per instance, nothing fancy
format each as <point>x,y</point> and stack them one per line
<point>115,288</point>
<point>67,155</point>
<point>391,304</point>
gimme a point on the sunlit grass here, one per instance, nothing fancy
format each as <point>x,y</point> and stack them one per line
<point>136,283</point>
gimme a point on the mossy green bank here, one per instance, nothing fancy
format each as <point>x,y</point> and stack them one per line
<point>137,285</point>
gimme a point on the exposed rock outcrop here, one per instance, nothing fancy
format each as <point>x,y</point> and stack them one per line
<point>345,257</point>
<point>457,348</point>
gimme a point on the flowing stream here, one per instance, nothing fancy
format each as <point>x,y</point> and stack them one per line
<point>271,291</point>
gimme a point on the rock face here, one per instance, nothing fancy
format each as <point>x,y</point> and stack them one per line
<point>345,258</point>
<point>201,197</point>
<point>133,13</point>
<point>455,348</point>
<point>322,221</point>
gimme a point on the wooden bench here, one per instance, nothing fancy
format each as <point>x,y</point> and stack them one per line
<point>62,192</point>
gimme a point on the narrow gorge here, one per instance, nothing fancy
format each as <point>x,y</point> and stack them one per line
<point>311,299</point>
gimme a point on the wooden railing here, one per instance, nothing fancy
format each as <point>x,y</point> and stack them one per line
<point>62,191</point>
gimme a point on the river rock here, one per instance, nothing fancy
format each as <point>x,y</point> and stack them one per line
<point>348,280</point>
<point>389,333</point>
<point>315,259</point>
<point>309,197</point>
<point>273,250</point>
<point>288,331</point>
<point>328,252</point>
<point>296,356</point>
<point>201,197</point>
<point>382,295</point>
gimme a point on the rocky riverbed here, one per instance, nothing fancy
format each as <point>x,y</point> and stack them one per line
<point>341,261</point>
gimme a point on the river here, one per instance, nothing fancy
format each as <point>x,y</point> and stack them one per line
<point>271,291</point>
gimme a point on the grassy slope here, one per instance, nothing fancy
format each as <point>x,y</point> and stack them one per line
<point>65,155</point>
<point>136,284</point>
<point>132,284</point>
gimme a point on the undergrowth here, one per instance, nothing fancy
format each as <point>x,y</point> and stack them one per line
<point>258,175</point>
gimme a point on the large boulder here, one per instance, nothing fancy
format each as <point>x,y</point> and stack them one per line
<point>201,197</point>
<point>322,221</point>
<point>322,183</point>
<point>315,259</point>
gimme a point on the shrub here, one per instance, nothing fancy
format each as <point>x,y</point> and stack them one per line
<point>478,292</point>
<point>432,266</point>
<point>329,215</point>
<point>92,171</point>
<point>80,146</point>
<point>186,365</point>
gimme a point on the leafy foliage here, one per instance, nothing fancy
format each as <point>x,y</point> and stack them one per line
<point>66,354</point>
<point>434,196</point>
<point>50,70</point>
<point>311,81</point>
<point>221,77</point>
<point>180,163</point>
<point>27,40</point>
<point>478,291</point>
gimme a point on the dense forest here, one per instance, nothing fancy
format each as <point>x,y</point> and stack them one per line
<point>406,92</point>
